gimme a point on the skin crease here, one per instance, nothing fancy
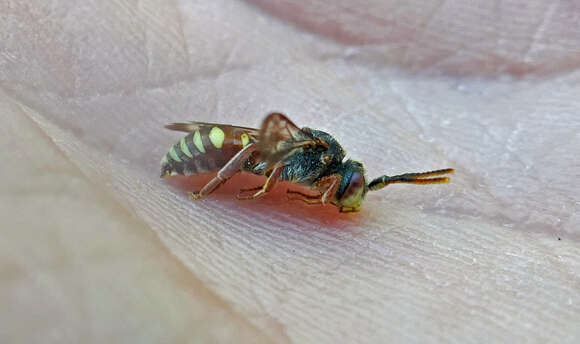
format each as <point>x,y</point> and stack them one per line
<point>95,247</point>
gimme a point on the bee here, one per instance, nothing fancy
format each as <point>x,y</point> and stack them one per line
<point>280,151</point>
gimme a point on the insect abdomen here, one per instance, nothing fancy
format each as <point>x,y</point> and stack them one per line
<point>204,150</point>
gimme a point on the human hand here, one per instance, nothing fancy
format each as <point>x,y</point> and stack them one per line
<point>491,92</point>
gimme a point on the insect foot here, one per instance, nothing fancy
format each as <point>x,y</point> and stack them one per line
<point>194,196</point>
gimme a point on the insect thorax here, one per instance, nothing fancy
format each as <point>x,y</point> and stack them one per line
<point>308,165</point>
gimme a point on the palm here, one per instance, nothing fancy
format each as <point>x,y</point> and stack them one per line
<point>478,258</point>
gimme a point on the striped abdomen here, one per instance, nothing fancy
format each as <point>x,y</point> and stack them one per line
<point>205,149</point>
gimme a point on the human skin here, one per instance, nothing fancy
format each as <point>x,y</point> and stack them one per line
<point>95,247</point>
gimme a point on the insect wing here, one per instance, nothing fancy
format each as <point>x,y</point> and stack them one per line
<point>189,127</point>
<point>280,138</point>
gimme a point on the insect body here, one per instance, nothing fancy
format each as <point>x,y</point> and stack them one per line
<point>207,148</point>
<point>280,151</point>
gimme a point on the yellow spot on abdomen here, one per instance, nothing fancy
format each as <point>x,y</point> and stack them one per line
<point>245,139</point>
<point>173,154</point>
<point>217,137</point>
<point>184,148</point>
<point>197,141</point>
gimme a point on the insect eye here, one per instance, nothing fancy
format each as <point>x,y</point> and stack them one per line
<point>354,193</point>
<point>356,181</point>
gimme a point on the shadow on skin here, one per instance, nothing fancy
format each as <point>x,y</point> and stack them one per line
<point>275,201</point>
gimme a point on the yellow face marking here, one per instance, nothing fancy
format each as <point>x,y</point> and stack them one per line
<point>197,141</point>
<point>217,137</point>
<point>173,154</point>
<point>245,139</point>
<point>184,148</point>
<point>166,174</point>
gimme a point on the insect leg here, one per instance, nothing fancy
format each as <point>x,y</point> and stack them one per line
<point>250,189</point>
<point>411,178</point>
<point>327,186</point>
<point>330,185</point>
<point>267,187</point>
<point>230,168</point>
<point>308,199</point>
